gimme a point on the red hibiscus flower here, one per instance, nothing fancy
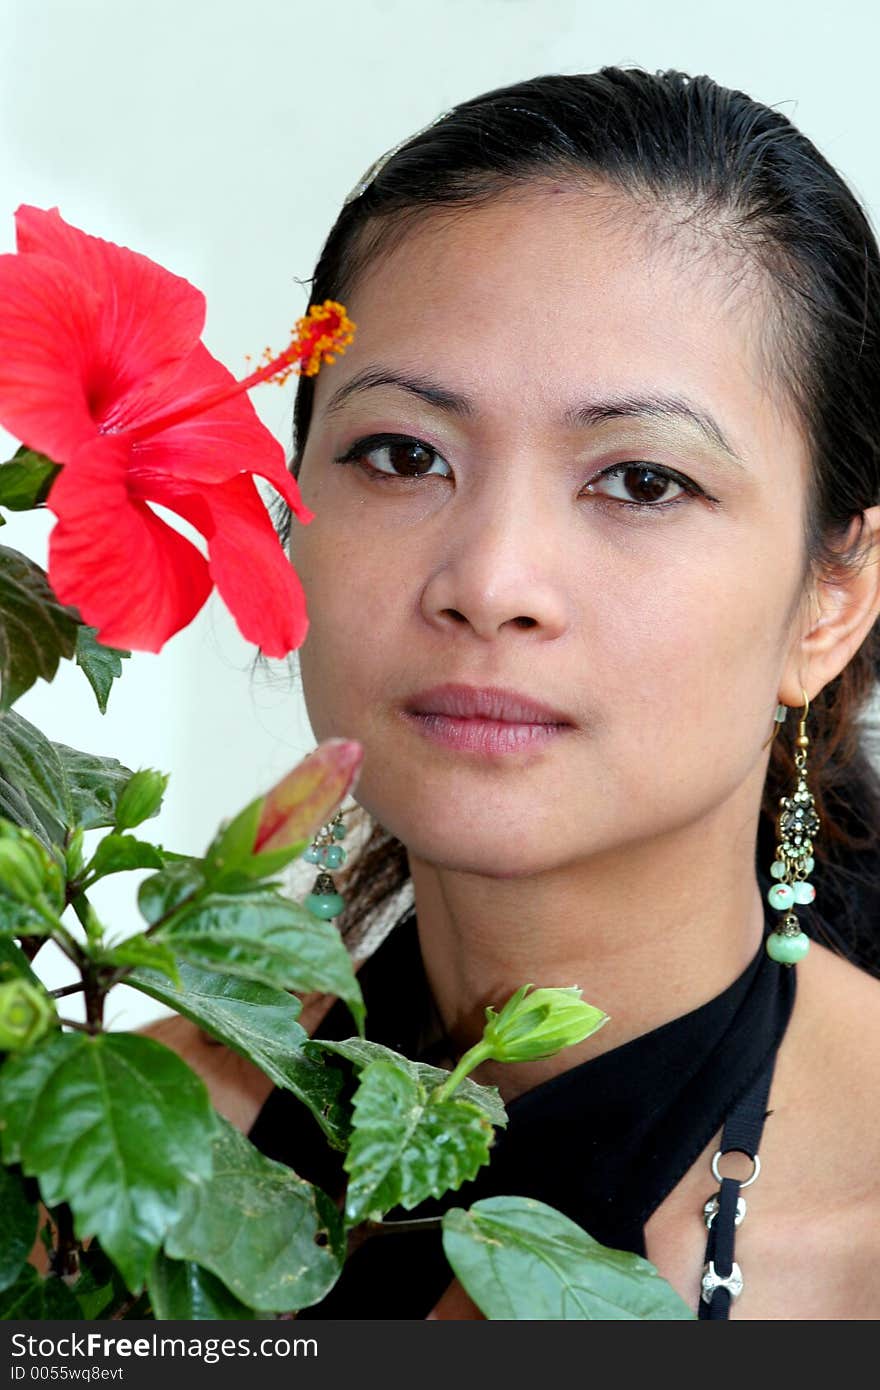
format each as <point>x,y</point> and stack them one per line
<point>102,369</point>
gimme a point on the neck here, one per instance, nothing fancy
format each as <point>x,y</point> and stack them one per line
<point>648,932</point>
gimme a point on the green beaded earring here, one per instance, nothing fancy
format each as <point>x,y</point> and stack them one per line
<point>324,901</point>
<point>796,824</point>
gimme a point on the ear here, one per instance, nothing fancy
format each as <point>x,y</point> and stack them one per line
<point>837,615</point>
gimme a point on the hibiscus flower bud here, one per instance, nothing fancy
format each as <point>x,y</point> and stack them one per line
<point>28,871</point>
<point>140,798</point>
<point>539,1024</point>
<point>306,797</point>
<point>26,1014</point>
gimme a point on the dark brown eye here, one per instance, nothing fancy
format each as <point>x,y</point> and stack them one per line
<point>645,484</point>
<point>393,456</point>
<point>409,457</point>
<point>642,485</point>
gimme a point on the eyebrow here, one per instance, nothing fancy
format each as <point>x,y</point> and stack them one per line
<point>656,405</point>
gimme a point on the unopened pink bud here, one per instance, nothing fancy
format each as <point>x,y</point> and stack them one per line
<point>306,798</point>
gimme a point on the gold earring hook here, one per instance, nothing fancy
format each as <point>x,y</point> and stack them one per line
<point>802,741</point>
<point>779,719</point>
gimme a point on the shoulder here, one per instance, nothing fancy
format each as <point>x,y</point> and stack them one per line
<point>836,1032</point>
<point>822,1139</point>
<point>829,1067</point>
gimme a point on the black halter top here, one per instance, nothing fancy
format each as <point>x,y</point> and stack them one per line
<point>604,1142</point>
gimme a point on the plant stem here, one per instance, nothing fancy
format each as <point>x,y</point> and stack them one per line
<point>65,943</point>
<point>95,996</point>
<point>471,1059</point>
<point>358,1234</point>
<point>168,917</point>
<point>67,989</point>
<point>88,917</point>
<point>396,1228</point>
<point>59,933</point>
<point>64,1259</point>
<point>125,1307</point>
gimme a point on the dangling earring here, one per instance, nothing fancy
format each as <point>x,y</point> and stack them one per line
<point>324,900</point>
<point>796,825</point>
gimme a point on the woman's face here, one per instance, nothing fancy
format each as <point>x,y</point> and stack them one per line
<point>493,543</point>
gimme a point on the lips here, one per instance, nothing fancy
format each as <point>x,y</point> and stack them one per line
<point>485,702</point>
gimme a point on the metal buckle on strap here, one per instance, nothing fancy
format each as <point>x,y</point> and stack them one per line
<point>711,1281</point>
<point>710,1210</point>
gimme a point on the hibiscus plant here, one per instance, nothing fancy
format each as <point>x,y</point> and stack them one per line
<point>123,1192</point>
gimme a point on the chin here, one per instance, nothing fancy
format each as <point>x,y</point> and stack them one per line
<point>490,854</point>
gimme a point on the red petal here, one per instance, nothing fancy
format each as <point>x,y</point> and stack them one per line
<point>129,573</point>
<point>149,317</point>
<point>48,323</point>
<point>254,577</point>
<point>213,445</point>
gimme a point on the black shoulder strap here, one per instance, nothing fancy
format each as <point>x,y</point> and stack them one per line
<point>722,1278</point>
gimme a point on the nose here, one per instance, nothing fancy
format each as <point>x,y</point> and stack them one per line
<point>499,562</point>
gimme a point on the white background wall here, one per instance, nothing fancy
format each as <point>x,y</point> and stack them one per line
<point>220,139</point>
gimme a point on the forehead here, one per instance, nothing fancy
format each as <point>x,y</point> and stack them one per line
<point>539,293</point>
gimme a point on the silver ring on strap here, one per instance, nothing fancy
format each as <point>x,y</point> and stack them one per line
<point>749,1180</point>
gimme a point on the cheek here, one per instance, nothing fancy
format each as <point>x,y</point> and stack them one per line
<point>691,655</point>
<point>349,641</point>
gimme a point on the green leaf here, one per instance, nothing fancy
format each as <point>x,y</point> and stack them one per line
<point>26,480</point>
<point>361,1052</point>
<point>521,1259</point>
<point>261,1024</point>
<point>95,1301</point>
<point>117,1126</point>
<point>118,853</point>
<point>20,919</point>
<point>102,665</point>
<point>50,788</point>
<point>15,806</point>
<point>272,1238</point>
<point>14,963</point>
<point>265,937</point>
<point>231,846</point>
<point>30,764</point>
<point>36,631</point>
<point>404,1147</point>
<point>183,1290</point>
<point>100,1288</point>
<point>142,950</point>
<point>38,1300</point>
<point>230,867</point>
<point>161,893</point>
<point>20,1220</point>
<point>93,786</point>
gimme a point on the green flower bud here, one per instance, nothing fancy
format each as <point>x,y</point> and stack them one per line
<point>28,871</point>
<point>140,798</point>
<point>539,1024</point>
<point>26,1014</point>
<point>21,872</point>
